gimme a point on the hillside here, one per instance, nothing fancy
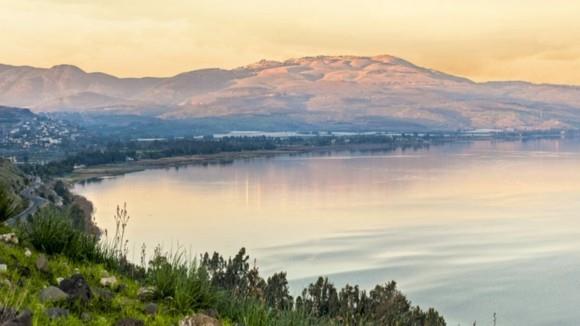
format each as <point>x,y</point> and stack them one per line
<point>22,131</point>
<point>12,182</point>
<point>380,92</point>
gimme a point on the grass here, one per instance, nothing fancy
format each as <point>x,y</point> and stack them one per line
<point>25,288</point>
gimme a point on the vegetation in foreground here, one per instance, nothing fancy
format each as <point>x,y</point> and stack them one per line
<point>54,272</point>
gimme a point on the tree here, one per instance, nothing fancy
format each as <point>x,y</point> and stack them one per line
<point>320,299</point>
<point>277,292</point>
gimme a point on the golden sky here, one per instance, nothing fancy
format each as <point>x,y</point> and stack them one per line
<point>535,40</point>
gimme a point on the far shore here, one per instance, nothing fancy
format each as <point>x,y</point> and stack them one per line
<point>110,170</point>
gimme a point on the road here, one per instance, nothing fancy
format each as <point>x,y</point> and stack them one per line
<point>35,202</point>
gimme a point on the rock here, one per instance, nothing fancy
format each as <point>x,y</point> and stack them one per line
<point>22,319</point>
<point>9,238</point>
<point>77,288</point>
<point>150,309</point>
<point>200,320</point>
<point>42,264</point>
<point>27,252</point>
<point>109,282</point>
<point>130,322</point>
<point>3,268</point>
<point>56,312</point>
<point>52,294</point>
<point>146,293</point>
<point>7,313</point>
<point>103,294</point>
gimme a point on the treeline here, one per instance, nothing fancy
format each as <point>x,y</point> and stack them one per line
<point>119,152</point>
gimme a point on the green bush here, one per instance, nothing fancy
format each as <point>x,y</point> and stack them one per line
<point>51,231</point>
<point>48,231</point>
<point>186,284</point>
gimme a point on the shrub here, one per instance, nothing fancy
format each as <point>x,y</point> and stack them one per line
<point>186,284</point>
<point>50,230</point>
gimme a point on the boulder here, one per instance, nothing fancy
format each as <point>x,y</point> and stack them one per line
<point>199,320</point>
<point>9,238</point>
<point>150,309</point>
<point>42,264</point>
<point>146,293</point>
<point>77,288</point>
<point>109,282</point>
<point>7,313</point>
<point>130,322</point>
<point>24,318</point>
<point>103,294</point>
<point>52,294</point>
<point>56,312</point>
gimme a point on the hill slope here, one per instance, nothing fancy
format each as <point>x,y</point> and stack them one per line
<point>361,92</point>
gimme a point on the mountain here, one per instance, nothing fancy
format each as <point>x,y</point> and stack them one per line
<point>347,92</point>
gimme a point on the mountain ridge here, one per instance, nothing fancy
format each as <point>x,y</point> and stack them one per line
<point>317,90</point>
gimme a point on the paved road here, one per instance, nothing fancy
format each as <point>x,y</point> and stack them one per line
<point>34,203</point>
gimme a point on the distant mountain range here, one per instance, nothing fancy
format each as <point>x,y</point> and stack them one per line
<point>329,92</point>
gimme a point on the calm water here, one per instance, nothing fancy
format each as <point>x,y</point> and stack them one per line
<point>470,229</point>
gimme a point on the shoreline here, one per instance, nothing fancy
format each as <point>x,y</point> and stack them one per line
<point>111,170</point>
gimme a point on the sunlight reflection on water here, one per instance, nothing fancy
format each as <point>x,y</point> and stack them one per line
<point>469,228</point>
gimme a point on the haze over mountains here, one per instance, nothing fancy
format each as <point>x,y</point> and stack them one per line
<point>381,92</point>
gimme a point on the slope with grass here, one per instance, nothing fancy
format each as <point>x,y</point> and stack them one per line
<point>12,182</point>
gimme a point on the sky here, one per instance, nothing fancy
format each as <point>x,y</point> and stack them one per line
<point>533,40</point>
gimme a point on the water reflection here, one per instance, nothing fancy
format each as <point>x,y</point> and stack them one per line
<point>471,228</point>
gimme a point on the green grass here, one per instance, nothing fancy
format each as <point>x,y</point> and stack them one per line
<point>183,290</point>
<point>26,287</point>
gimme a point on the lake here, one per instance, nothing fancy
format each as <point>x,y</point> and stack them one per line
<point>471,229</point>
